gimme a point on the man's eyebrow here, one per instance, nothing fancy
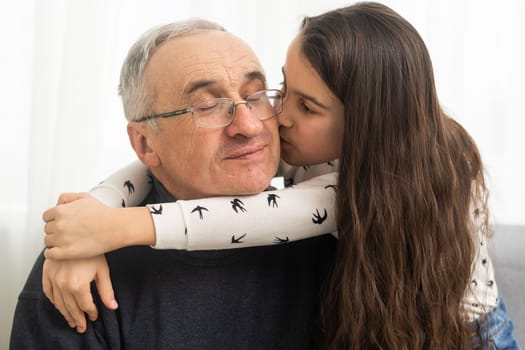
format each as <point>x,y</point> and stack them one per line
<point>203,83</point>
<point>255,75</point>
<point>199,84</point>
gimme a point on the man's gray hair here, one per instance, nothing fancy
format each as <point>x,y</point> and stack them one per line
<point>131,86</point>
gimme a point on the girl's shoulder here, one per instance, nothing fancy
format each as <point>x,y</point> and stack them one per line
<point>296,174</point>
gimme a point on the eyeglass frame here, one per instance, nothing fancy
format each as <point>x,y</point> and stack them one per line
<point>189,109</point>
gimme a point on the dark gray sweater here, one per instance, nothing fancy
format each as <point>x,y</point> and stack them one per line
<point>252,298</point>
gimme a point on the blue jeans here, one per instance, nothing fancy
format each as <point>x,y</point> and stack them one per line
<point>494,331</point>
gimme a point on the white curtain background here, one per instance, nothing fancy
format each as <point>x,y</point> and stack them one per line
<point>63,127</point>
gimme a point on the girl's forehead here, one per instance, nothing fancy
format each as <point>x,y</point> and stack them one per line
<point>301,77</point>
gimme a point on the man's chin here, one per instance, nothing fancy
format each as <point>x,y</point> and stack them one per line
<point>246,187</point>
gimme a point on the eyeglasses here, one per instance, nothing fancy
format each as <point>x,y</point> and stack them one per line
<point>219,112</point>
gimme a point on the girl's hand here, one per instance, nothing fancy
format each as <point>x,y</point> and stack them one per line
<point>81,227</point>
<point>67,285</point>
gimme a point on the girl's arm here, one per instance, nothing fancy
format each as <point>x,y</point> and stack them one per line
<point>201,224</point>
<point>273,217</point>
<point>127,187</point>
<point>86,228</point>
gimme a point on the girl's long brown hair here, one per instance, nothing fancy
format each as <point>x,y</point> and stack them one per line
<point>408,175</point>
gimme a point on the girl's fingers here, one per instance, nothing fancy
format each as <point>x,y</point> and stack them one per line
<point>76,313</point>
<point>61,307</point>
<point>84,300</point>
<point>70,197</point>
<point>48,288</point>
<point>105,289</point>
<point>49,215</point>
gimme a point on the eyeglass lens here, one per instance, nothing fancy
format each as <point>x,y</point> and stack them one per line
<point>220,111</point>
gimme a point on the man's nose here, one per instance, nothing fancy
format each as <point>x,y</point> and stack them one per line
<point>244,121</point>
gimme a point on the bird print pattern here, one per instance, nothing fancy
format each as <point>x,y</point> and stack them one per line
<point>210,218</point>
<point>199,209</point>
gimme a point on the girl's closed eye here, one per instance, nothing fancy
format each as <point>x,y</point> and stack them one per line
<point>305,108</point>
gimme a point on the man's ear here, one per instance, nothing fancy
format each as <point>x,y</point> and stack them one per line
<point>139,138</point>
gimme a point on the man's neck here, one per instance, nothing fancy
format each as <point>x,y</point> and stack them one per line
<point>158,193</point>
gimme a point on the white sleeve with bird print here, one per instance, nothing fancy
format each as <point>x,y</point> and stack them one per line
<point>302,210</point>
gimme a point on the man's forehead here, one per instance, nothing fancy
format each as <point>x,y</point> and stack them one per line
<point>209,47</point>
<point>198,60</point>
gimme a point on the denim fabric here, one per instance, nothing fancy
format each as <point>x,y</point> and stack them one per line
<point>494,331</point>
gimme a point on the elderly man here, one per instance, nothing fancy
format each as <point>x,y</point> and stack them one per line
<point>254,298</point>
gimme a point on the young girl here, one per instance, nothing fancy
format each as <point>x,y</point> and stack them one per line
<point>412,269</point>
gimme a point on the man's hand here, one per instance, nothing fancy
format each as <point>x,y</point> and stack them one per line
<point>66,283</point>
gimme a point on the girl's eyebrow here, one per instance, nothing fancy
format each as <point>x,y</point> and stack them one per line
<point>312,99</point>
